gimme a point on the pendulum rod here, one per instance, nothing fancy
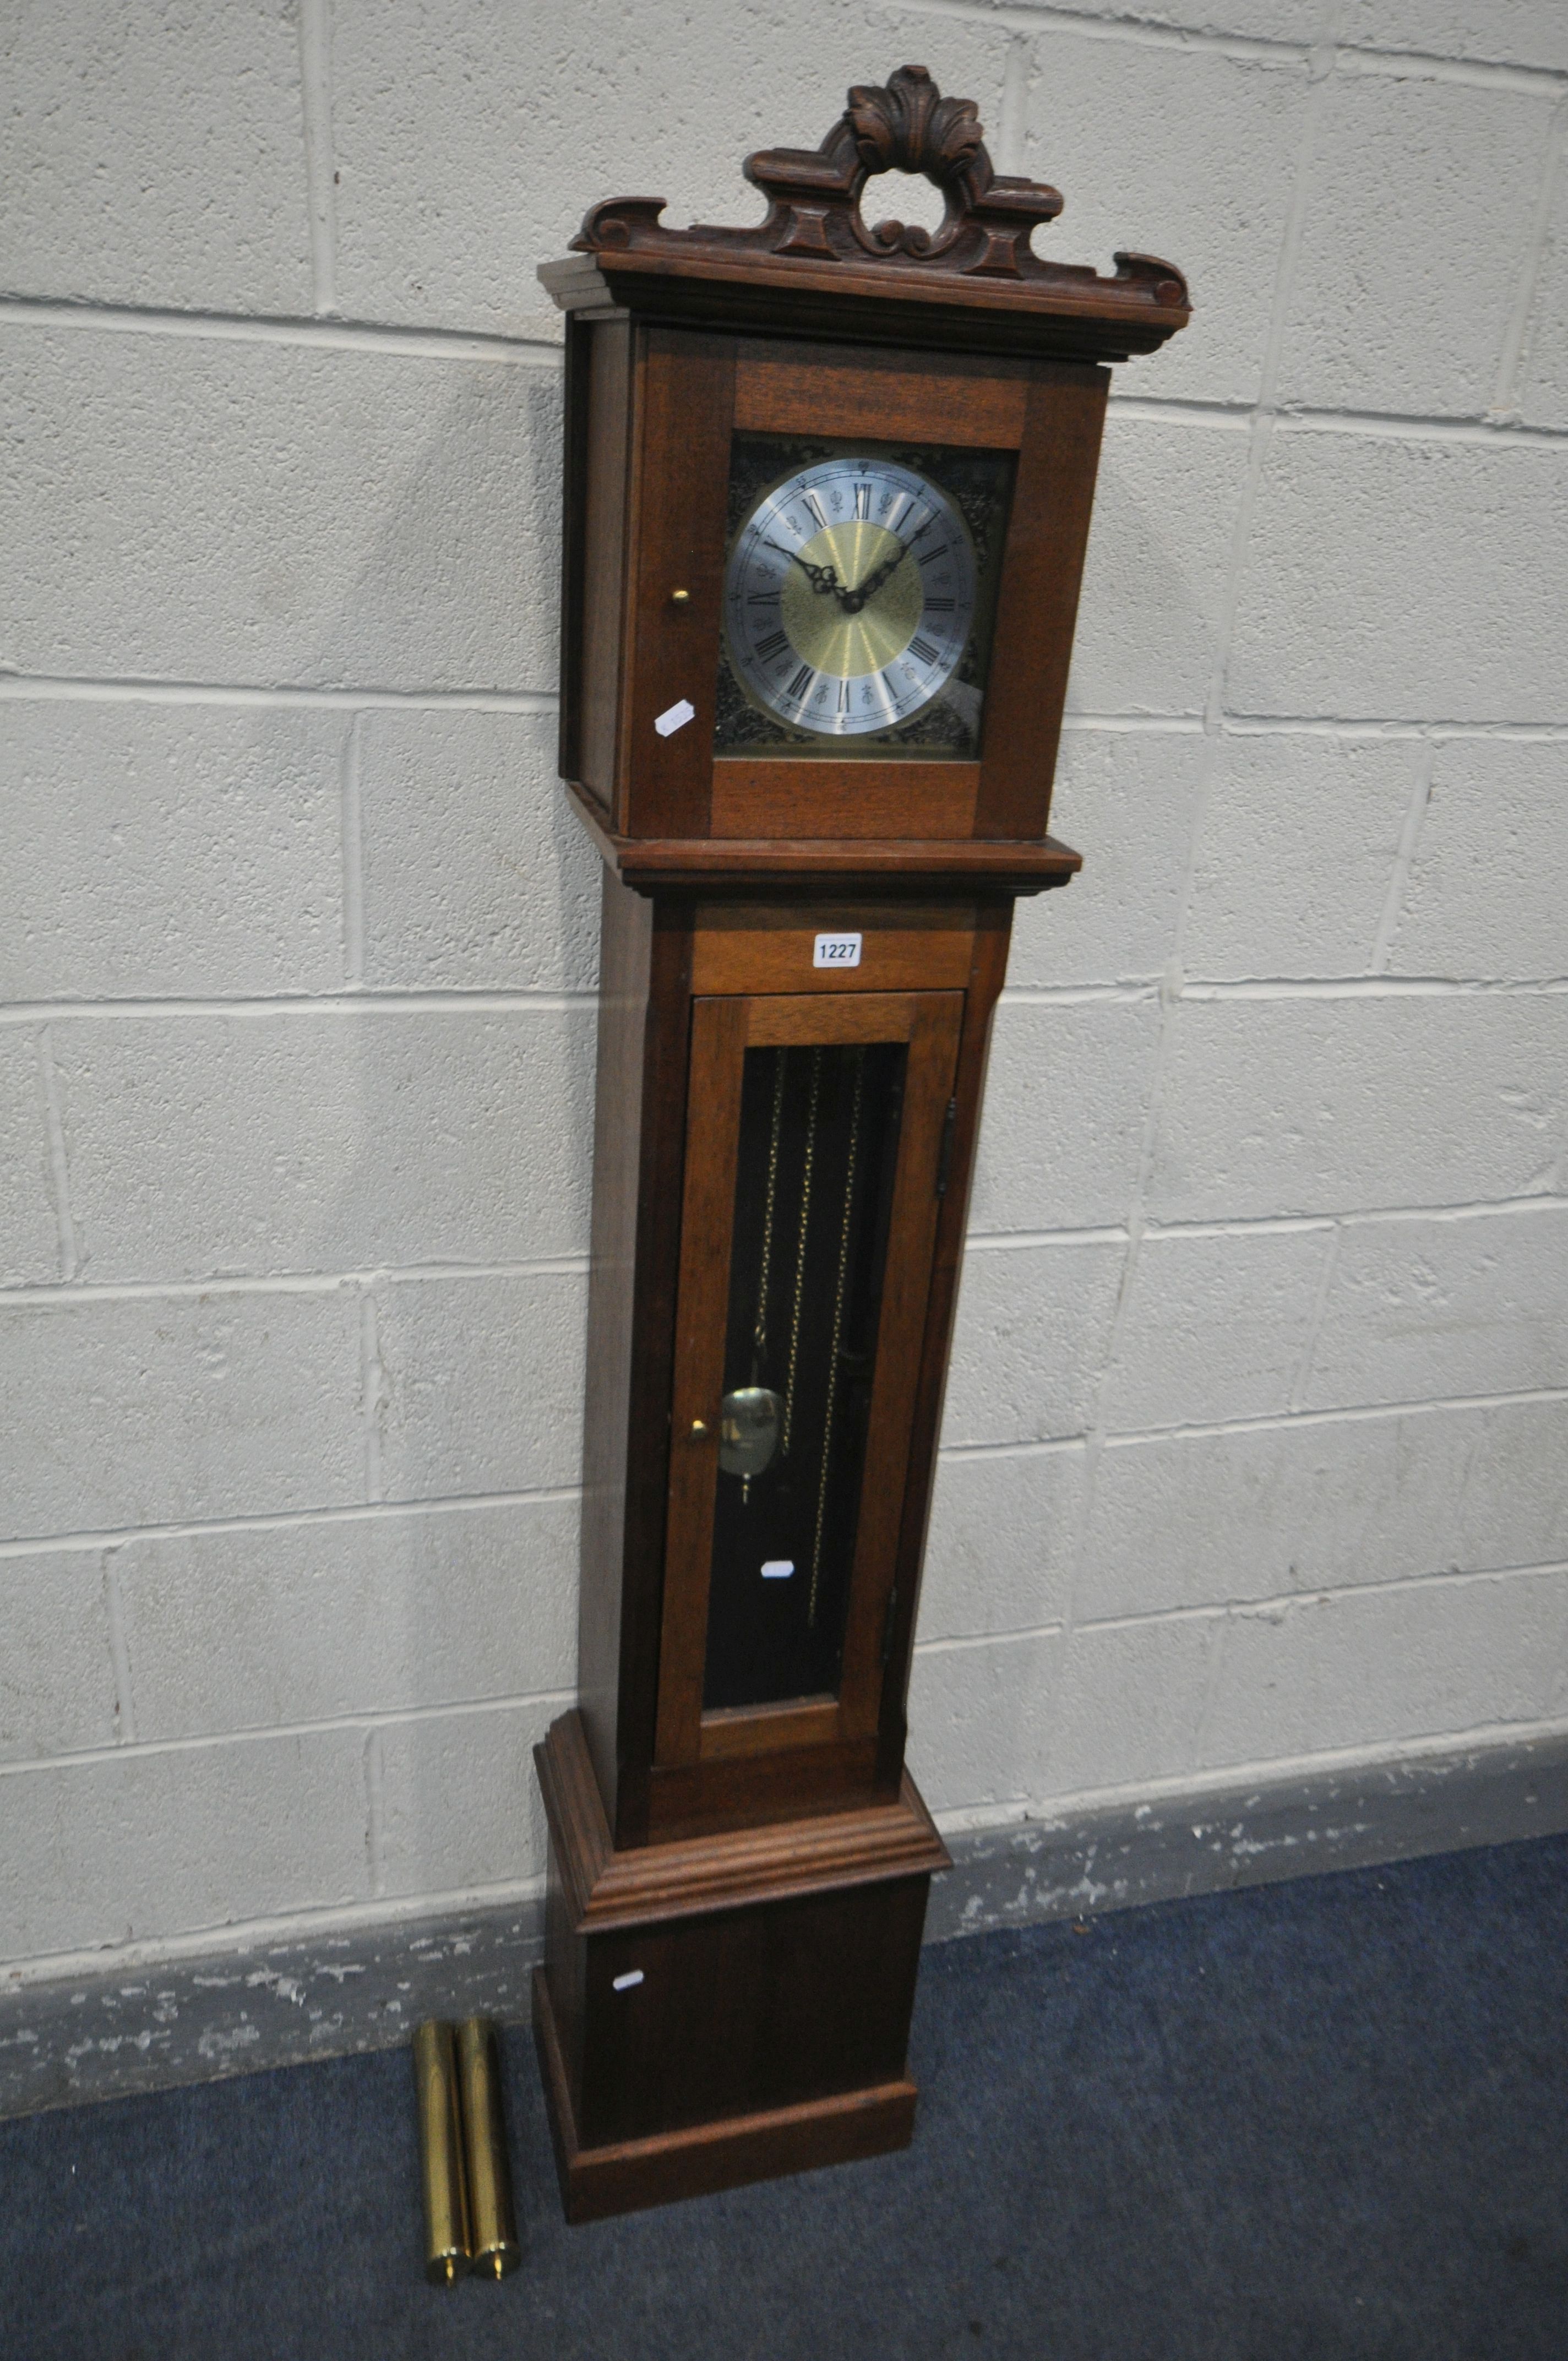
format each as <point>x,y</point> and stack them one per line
<point>760,1331</point>
<point>800,1251</point>
<point>838,1337</point>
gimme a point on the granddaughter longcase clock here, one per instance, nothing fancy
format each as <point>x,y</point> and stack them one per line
<point>828,491</point>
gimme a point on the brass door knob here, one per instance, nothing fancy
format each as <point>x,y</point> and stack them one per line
<point>699,1428</point>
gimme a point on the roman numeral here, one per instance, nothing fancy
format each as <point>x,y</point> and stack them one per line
<point>932,555</point>
<point>862,500</point>
<point>843,697</point>
<point>923,649</point>
<point>797,687</point>
<point>767,649</point>
<point>770,599</point>
<point>810,501</point>
<point>933,606</point>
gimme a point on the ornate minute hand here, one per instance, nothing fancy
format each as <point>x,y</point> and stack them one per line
<point>851,601</point>
<point>822,578</point>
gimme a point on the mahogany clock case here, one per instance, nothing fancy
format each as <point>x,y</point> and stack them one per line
<point>739,1860</point>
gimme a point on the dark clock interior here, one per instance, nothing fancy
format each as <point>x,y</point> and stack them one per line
<point>818,1147</point>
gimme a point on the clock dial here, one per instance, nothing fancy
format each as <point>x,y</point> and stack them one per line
<point>849,596</point>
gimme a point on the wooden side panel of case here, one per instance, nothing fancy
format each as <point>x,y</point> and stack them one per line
<point>626,935</point>
<point>639,1148</point>
<point>599,392</point>
<point>576,472</point>
<point>992,936</point>
<point>1038,605</point>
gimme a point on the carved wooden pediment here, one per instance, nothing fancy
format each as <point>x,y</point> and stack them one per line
<point>816,240</point>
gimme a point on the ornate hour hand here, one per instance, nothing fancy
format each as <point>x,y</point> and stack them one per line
<point>822,578</point>
<point>851,601</point>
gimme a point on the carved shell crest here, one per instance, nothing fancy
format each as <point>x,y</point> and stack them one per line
<point>909,126</point>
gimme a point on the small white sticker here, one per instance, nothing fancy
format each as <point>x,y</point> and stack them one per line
<point>775,1568</point>
<point>837,950</point>
<point>675,717</point>
<point>625,1982</point>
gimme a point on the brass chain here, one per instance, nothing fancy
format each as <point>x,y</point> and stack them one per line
<point>837,1333</point>
<point>800,1251</point>
<point>760,1332</point>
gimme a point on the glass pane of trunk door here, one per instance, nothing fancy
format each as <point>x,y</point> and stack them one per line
<point>818,1148</point>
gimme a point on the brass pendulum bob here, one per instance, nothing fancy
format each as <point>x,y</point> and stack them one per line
<point>441,2175</point>
<point>493,2225</point>
<point>749,1415</point>
<point>747,1432</point>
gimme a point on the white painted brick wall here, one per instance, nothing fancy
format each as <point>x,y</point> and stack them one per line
<point>94,1850</point>
<point>1301,1674</point>
<point>1417,579</point>
<point>125,1408</point>
<point>207,1144</point>
<point>328,1618</point>
<point>460,1804</point>
<point>472,140</point>
<point>1156,588</point>
<point>1063,1153</point>
<point>482,1381</point>
<point>1348,1103</point>
<point>290,512</point>
<point>170,850</point>
<point>1323,1504</point>
<point>56,1675</point>
<point>153,155</point>
<point>1483,897</point>
<point>475,874</point>
<point>1257,1438</point>
<point>1002,1542</point>
<point>1299,837</point>
<point>1214,1325</point>
<point>1372,322</point>
<point>1132,794</point>
<point>1468,1304</point>
<point>29,1233</point>
<point>1542,394</point>
<point>1085,91</point>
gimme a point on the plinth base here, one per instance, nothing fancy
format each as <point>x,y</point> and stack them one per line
<point>724,2008</point>
<point>621,2179</point>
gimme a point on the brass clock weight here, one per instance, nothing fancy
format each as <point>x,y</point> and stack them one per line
<point>828,490</point>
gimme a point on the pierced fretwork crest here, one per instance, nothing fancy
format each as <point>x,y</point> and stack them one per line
<point>814,200</point>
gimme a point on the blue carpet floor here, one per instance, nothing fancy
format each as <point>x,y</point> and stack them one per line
<point>1294,2124</point>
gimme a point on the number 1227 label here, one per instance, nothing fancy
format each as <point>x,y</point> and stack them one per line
<point>837,950</point>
